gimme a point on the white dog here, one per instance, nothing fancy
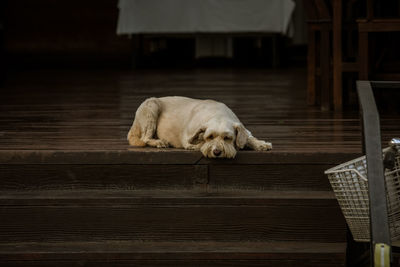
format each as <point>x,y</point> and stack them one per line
<point>182,122</point>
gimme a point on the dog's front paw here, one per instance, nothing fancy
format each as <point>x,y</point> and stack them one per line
<point>263,146</point>
<point>193,147</point>
<point>161,144</point>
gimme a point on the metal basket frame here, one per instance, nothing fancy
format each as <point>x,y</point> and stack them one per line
<point>350,185</point>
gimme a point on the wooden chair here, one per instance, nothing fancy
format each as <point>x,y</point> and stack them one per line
<point>341,22</point>
<point>371,25</point>
<point>319,24</point>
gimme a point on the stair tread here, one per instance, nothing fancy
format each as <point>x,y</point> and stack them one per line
<point>151,250</point>
<point>87,194</point>
<point>166,156</point>
<point>226,197</point>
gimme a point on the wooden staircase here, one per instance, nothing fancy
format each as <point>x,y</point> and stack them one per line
<point>149,207</point>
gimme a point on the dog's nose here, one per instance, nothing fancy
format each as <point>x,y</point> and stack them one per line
<point>217,152</point>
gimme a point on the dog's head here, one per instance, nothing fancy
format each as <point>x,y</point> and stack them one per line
<point>220,140</point>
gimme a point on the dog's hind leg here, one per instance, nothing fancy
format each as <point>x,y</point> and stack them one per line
<point>134,135</point>
<point>144,127</point>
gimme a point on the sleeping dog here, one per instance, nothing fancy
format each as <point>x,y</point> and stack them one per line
<point>181,122</point>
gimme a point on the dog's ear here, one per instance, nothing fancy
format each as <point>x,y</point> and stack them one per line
<point>241,135</point>
<point>198,137</point>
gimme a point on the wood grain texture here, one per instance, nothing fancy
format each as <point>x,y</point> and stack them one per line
<point>269,177</point>
<point>162,177</point>
<point>150,156</point>
<point>106,177</point>
<point>91,111</point>
<point>72,192</point>
<point>202,249</point>
<point>125,253</point>
<point>161,197</point>
<point>281,220</point>
<point>336,262</point>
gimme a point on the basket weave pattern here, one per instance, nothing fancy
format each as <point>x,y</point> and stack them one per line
<point>351,190</point>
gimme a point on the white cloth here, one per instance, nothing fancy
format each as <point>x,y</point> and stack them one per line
<point>204,16</point>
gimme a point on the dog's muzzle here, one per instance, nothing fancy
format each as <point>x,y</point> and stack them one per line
<point>217,152</point>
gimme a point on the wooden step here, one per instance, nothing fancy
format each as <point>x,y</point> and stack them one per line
<point>163,169</point>
<point>149,207</point>
<point>128,177</point>
<point>128,253</point>
<point>148,155</point>
<point>234,216</point>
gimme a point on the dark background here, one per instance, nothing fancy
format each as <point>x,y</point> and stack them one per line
<point>82,34</point>
<point>63,33</point>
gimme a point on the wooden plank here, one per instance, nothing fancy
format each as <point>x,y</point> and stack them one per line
<point>128,250</point>
<point>336,261</point>
<point>293,221</point>
<point>171,156</point>
<point>131,156</point>
<point>379,25</point>
<point>85,120</point>
<point>87,114</point>
<point>270,177</point>
<point>106,177</point>
<point>162,197</point>
<point>287,157</point>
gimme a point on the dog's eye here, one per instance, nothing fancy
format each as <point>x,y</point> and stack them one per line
<point>211,137</point>
<point>227,138</point>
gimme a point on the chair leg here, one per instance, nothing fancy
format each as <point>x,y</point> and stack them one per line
<point>325,72</point>
<point>311,71</point>
<point>337,55</point>
<point>363,56</point>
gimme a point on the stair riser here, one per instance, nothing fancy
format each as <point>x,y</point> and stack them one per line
<point>76,177</point>
<point>148,177</point>
<point>276,221</point>
<point>335,261</point>
<point>269,177</point>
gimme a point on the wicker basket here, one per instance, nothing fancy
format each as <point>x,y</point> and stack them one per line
<point>350,185</point>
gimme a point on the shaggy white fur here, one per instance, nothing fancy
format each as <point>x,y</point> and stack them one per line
<point>181,122</point>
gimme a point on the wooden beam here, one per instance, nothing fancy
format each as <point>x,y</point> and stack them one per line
<point>379,25</point>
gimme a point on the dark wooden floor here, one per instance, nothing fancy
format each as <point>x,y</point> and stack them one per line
<point>93,110</point>
<point>71,188</point>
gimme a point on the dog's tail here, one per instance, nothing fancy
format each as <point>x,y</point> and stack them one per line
<point>134,135</point>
